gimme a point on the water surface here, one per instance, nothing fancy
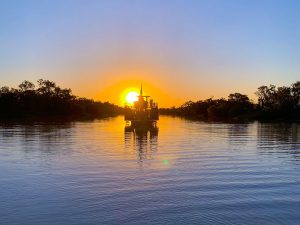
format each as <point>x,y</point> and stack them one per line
<point>185,173</point>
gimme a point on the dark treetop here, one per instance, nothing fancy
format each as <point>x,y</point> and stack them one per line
<point>274,103</point>
<point>50,101</point>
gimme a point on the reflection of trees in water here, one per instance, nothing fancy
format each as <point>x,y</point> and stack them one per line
<point>238,134</point>
<point>143,140</point>
<point>43,137</point>
<point>279,138</point>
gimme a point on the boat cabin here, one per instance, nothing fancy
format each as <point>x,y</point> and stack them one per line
<point>143,111</point>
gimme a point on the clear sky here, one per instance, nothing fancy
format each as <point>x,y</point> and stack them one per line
<point>180,50</point>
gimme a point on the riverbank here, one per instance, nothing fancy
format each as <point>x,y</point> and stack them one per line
<point>49,101</point>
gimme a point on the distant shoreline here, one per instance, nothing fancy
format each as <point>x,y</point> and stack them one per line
<point>274,104</point>
<point>50,102</point>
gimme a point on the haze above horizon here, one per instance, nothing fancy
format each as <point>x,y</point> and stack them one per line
<point>180,50</point>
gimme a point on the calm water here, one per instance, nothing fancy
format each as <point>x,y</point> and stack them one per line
<point>186,173</point>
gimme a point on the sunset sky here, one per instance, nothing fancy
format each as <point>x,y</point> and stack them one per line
<point>180,50</point>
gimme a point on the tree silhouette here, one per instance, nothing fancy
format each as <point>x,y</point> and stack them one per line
<point>274,103</point>
<point>26,86</point>
<point>49,100</point>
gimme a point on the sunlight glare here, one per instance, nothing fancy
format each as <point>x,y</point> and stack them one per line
<point>131,97</point>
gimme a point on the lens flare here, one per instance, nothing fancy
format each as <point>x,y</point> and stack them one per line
<point>166,162</point>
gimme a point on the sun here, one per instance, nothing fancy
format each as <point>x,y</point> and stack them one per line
<point>131,97</point>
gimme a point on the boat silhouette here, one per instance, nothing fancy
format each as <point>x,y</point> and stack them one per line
<point>143,112</point>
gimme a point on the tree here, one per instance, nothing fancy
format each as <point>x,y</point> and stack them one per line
<point>65,94</point>
<point>283,99</point>
<point>238,98</point>
<point>46,87</point>
<point>266,96</point>
<point>4,90</point>
<point>26,86</point>
<point>296,93</point>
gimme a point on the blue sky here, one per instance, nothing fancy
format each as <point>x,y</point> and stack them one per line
<point>190,49</point>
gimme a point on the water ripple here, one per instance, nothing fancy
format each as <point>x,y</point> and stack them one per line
<point>185,172</point>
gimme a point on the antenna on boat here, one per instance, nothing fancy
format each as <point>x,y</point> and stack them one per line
<point>141,91</point>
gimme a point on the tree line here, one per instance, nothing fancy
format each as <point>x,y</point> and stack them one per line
<point>274,103</point>
<point>50,100</point>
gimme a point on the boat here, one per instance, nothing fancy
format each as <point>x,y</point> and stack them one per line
<point>143,112</point>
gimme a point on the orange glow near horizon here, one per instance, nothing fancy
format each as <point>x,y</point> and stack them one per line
<point>114,81</point>
<point>117,93</point>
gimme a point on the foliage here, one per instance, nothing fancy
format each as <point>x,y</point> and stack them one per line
<point>280,103</point>
<point>50,100</point>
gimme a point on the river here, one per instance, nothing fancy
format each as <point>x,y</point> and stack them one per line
<point>184,172</point>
